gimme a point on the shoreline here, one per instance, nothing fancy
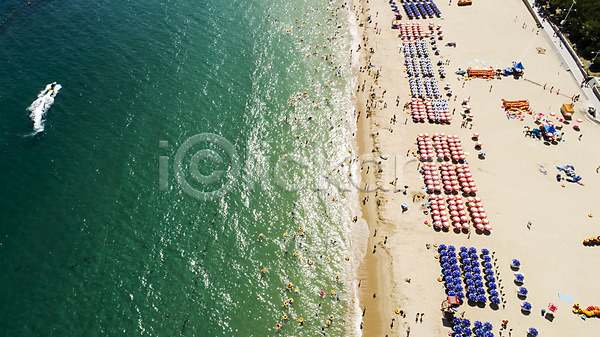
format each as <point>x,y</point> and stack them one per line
<point>374,293</point>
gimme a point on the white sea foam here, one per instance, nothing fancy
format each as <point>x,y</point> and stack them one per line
<point>40,106</point>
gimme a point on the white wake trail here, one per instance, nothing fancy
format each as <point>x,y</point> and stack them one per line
<point>40,106</point>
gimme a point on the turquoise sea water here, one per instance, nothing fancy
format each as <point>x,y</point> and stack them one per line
<point>89,243</point>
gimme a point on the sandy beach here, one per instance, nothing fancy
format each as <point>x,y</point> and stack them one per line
<point>516,181</point>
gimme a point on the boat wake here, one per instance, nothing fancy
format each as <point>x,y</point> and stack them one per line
<point>40,106</point>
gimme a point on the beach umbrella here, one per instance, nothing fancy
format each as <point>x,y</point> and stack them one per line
<point>451,248</point>
<point>526,306</point>
<point>485,251</point>
<point>519,277</point>
<point>457,329</point>
<point>487,265</point>
<point>474,262</point>
<point>488,334</point>
<point>486,258</point>
<point>480,291</point>
<point>490,278</point>
<point>493,293</point>
<point>472,297</point>
<point>488,326</point>
<point>465,323</point>
<point>515,264</point>
<point>522,291</point>
<point>476,277</point>
<point>447,272</point>
<point>533,332</point>
<point>477,324</point>
<point>469,282</point>
<point>489,272</point>
<point>492,285</point>
<point>456,321</point>
<point>476,270</point>
<point>478,284</point>
<point>481,299</point>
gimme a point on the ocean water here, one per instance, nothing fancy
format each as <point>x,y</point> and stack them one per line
<point>116,220</point>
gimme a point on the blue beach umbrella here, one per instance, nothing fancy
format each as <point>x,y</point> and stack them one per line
<point>487,265</point>
<point>472,297</point>
<point>447,272</point>
<point>489,334</point>
<point>476,277</point>
<point>469,282</point>
<point>463,249</point>
<point>456,321</point>
<point>456,273</point>
<point>476,270</point>
<point>467,269</point>
<point>523,291</point>
<point>453,260</point>
<point>474,263</point>
<point>488,326</point>
<point>480,291</point>
<point>478,284</point>
<point>474,256</point>
<point>479,332</point>
<point>492,285</point>
<point>467,333</point>
<point>463,255</point>
<point>485,251</point>
<point>444,259</point>
<point>519,277</point>
<point>493,293</point>
<point>472,250</point>
<point>471,289</point>
<point>515,263</point>
<point>526,306</point>
<point>489,272</point>
<point>443,252</point>
<point>457,329</point>
<point>460,295</point>
<point>495,300</point>
<point>465,323</point>
<point>451,248</point>
<point>481,299</point>
<point>490,278</point>
<point>477,324</point>
<point>487,258</point>
<point>533,332</point>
